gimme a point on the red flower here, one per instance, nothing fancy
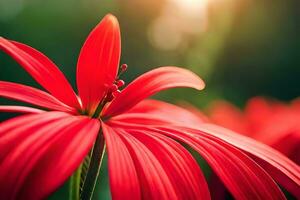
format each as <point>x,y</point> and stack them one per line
<point>41,149</point>
<point>270,122</point>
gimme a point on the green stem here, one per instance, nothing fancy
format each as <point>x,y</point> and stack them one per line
<point>94,169</point>
<point>99,109</point>
<point>74,187</point>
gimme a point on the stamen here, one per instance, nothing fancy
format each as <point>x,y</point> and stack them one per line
<point>113,88</point>
<point>122,69</point>
<point>116,93</point>
<point>109,97</point>
<point>112,92</point>
<point>120,83</point>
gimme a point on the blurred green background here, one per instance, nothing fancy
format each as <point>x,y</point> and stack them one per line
<point>241,48</point>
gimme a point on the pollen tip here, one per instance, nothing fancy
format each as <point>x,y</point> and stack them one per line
<point>113,88</point>
<point>116,93</point>
<point>124,67</point>
<point>120,83</point>
<point>110,97</point>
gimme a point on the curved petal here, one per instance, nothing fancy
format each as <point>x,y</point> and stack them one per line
<point>20,109</point>
<point>14,130</point>
<point>98,62</point>
<point>52,151</point>
<point>150,83</point>
<point>178,163</point>
<point>155,183</point>
<point>241,175</point>
<point>152,119</point>
<point>42,69</point>
<point>123,179</point>
<point>289,145</point>
<point>16,162</point>
<point>138,119</point>
<point>284,171</point>
<point>154,112</point>
<point>33,96</point>
<point>169,112</point>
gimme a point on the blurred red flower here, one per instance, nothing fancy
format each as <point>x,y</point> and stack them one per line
<point>271,122</point>
<point>41,149</point>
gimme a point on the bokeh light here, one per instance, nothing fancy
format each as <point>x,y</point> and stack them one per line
<point>178,21</point>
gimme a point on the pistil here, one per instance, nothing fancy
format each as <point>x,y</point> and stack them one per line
<point>112,92</point>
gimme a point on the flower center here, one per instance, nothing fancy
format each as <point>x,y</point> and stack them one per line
<point>112,92</point>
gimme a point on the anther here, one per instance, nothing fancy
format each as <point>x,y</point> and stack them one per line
<point>116,93</point>
<point>109,97</point>
<point>123,67</point>
<point>120,83</point>
<point>113,88</point>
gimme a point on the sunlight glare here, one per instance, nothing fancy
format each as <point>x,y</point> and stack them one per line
<point>192,7</point>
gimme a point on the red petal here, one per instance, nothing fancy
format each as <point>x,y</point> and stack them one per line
<point>47,156</point>
<point>155,183</point>
<point>180,166</point>
<point>153,112</point>
<point>16,129</point>
<point>43,70</point>
<point>138,119</point>
<point>163,110</point>
<point>20,109</point>
<point>123,177</point>
<point>241,175</point>
<point>62,159</point>
<point>17,162</point>
<point>33,96</point>
<point>150,83</point>
<point>284,171</point>
<point>98,62</point>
